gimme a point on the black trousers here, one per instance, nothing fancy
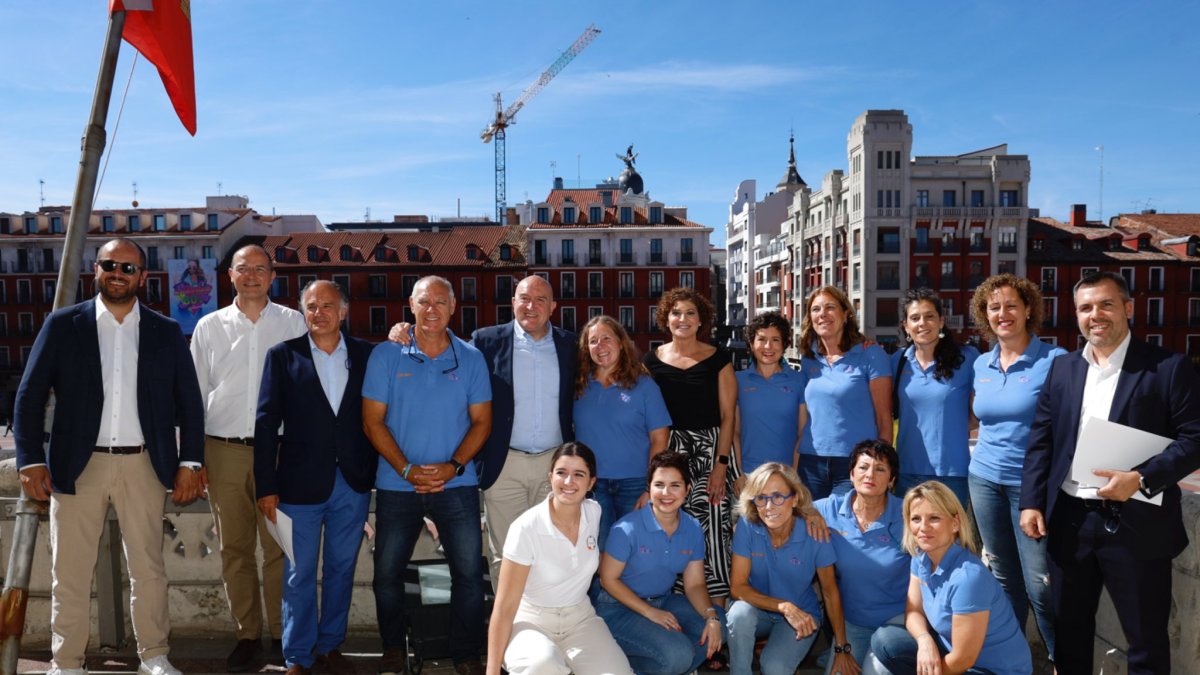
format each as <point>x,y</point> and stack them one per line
<point>1084,558</point>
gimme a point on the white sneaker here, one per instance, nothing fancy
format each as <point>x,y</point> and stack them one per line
<point>158,665</point>
<point>55,670</point>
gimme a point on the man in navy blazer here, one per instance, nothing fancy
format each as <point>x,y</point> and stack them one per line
<point>122,379</point>
<point>533,367</point>
<point>319,473</point>
<point>1101,537</point>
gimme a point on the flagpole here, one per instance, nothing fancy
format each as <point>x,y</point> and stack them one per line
<point>25,526</point>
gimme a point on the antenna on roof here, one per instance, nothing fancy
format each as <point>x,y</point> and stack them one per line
<point>135,201</point>
<point>367,215</point>
<point>42,191</point>
<point>220,188</point>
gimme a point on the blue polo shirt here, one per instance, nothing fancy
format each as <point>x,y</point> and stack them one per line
<point>426,407</point>
<point>872,567</point>
<point>1005,403</point>
<point>616,424</point>
<point>786,572</point>
<point>769,416</point>
<point>652,559</point>
<point>934,415</point>
<point>962,585</point>
<point>840,411</point>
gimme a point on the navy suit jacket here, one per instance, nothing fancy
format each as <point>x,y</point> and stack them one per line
<point>496,344</point>
<point>66,359</point>
<point>1159,392</point>
<point>299,466</point>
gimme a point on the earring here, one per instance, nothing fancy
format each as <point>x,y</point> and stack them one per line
<point>941,334</point>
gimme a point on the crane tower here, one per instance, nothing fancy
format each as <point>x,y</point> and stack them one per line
<point>504,117</point>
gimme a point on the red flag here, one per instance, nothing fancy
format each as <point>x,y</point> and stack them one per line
<point>162,31</point>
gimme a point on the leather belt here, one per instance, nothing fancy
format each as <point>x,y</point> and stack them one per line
<point>234,441</point>
<point>120,449</point>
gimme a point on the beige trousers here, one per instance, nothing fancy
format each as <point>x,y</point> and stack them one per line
<point>562,640</point>
<point>129,483</point>
<point>241,528</point>
<point>524,480</point>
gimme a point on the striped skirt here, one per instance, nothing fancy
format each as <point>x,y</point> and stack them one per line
<point>700,445</point>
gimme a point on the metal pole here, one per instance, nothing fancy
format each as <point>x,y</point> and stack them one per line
<point>16,582</point>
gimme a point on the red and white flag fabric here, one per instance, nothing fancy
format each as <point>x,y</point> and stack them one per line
<point>162,31</point>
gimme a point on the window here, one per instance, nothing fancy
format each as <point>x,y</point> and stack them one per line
<point>626,284</point>
<point>1009,198</point>
<point>379,325</point>
<point>48,291</point>
<point>135,223</point>
<point>407,283</point>
<point>567,285</point>
<point>206,252</point>
<point>48,260</point>
<point>504,290</point>
<point>656,214</point>
<point>1008,240</point>
<point>594,312</point>
<point>949,280</point>
<point>471,252</point>
<point>879,199</point>
<point>1005,267</point>
<point>1155,340</point>
<point>25,323</point>
<point>213,222</point>
<point>1084,271</point>
<point>1049,312</point>
<point>949,239</point>
<point>314,253</point>
<point>539,252</point>
<point>1127,272</point>
<point>154,290</point>
<point>856,276</point>
<point>1156,280</point>
<point>921,275</point>
<point>568,251</point>
<point>470,320</point>
<point>1195,279</point>
<point>185,222</point>
<point>625,316</point>
<point>107,224</point>
<point>626,215</point>
<point>160,222</point>
<point>595,284</point>
<point>1050,279</point>
<point>569,215</point>
<point>279,288</point>
<point>887,275</point>
<point>303,281</point>
<point>889,240</point>
<point>922,245</point>
<point>152,260</point>
<point>543,214</point>
<point>1154,312</point>
<point>56,225</point>
<point>568,318</point>
<point>878,159</point>
<point>1194,312</point>
<point>626,251</point>
<point>975,274</point>
<point>5,226</point>
<point>377,286</point>
<point>505,252</point>
<point>468,289</point>
<point>179,253</point>
<point>31,225</point>
<point>949,198</point>
<point>343,282</point>
<point>1038,244</point>
<point>977,243</point>
<point>656,252</point>
<point>687,279</point>
<point>656,284</point>
<point>976,198</point>
<point>595,214</point>
<point>504,314</point>
<point>686,254</point>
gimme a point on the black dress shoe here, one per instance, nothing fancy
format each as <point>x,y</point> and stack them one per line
<point>242,656</point>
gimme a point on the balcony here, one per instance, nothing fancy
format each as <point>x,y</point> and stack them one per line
<point>948,282</point>
<point>922,247</point>
<point>974,280</point>
<point>1007,248</point>
<point>25,298</point>
<point>979,247</point>
<point>1155,322</point>
<point>922,282</point>
<point>23,267</point>
<point>595,293</point>
<point>1049,286</point>
<point>540,258</point>
<point>888,247</point>
<point>566,260</point>
<point>686,258</point>
<point>595,260</point>
<point>627,258</point>
<point>656,258</point>
<point>4,264</point>
<point>888,284</point>
<point>568,293</point>
<point>25,330</point>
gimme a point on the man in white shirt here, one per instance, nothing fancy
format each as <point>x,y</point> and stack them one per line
<point>229,348</point>
<point>122,380</point>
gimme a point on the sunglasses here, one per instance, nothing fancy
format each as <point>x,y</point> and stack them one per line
<point>111,265</point>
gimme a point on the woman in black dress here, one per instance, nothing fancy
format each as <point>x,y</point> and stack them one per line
<point>698,385</point>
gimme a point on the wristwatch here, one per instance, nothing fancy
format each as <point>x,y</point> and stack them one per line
<point>459,468</point>
<point>723,459</point>
<point>1142,486</point>
<point>841,649</point>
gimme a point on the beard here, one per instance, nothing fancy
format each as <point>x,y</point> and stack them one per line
<point>118,295</point>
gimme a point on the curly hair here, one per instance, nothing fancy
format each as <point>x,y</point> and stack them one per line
<point>756,483</point>
<point>769,320</point>
<point>942,499</point>
<point>947,355</point>
<point>629,366</point>
<point>704,308</point>
<point>851,335</point>
<point>1026,289</point>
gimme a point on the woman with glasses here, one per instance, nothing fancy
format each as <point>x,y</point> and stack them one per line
<point>774,563</point>
<point>1008,379</point>
<point>848,391</point>
<point>620,414</point>
<point>661,632</point>
<point>957,617</point>
<point>770,398</point>
<point>933,385</point>
<point>867,528</point>
<point>542,620</point>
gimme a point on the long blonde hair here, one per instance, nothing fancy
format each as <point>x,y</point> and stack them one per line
<point>942,499</point>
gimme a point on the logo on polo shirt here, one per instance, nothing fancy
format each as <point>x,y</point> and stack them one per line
<point>795,561</point>
<point>985,380</point>
<point>786,389</point>
<point>591,543</point>
<point>404,374</point>
<point>749,389</point>
<point>643,549</point>
<point>1024,379</point>
<point>685,551</point>
<point>625,397</point>
<point>453,377</point>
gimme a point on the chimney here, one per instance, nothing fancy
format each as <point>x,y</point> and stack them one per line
<point>558,184</point>
<point>1078,215</point>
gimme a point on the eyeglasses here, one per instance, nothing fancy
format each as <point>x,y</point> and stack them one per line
<point>417,358</point>
<point>110,265</point>
<point>776,498</point>
<point>1112,521</point>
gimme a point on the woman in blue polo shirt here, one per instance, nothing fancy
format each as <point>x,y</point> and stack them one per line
<point>661,633</point>
<point>771,574</point>
<point>848,391</point>
<point>867,529</point>
<point>958,619</point>
<point>620,414</point>
<point>770,397</point>
<point>933,384</point>
<point>1008,380</point>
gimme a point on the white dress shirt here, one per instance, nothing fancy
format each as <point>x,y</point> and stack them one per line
<point>230,351</point>
<point>1098,391</point>
<point>535,426</point>
<point>119,422</point>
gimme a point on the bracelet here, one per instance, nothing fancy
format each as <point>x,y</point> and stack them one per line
<point>714,620</point>
<point>407,468</point>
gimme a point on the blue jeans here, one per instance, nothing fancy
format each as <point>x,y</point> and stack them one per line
<point>650,648</point>
<point>957,484</point>
<point>824,476</point>
<point>897,651</point>
<point>783,652</point>
<point>859,638</point>
<point>1019,563</point>
<point>617,497</point>
<point>341,517</point>
<point>399,519</point>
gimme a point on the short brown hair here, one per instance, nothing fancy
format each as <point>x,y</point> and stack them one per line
<point>851,335</point>
<point>703,305</point>
<point>1026,289</point>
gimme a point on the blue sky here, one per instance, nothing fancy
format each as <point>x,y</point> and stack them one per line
<point>332,107</point>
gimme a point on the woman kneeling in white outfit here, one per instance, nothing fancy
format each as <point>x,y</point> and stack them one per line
<point>542,621</point>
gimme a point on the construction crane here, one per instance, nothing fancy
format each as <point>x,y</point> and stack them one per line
<point>504,118</point>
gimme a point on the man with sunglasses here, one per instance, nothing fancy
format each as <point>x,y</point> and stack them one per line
<point>1101,538</point>
<point>122,380</point>
<point>427,410</point>
<point>229,347</point>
